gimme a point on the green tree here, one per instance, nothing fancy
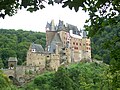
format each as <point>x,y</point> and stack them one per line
<point>62,80</point>
<point>15,43</point>
<point>4,81</point>
<point>45,81</point>
<point>1,63</point>
<point>78,76</point>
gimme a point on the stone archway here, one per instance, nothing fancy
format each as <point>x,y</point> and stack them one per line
<point>11,77</point>
<point>14,80</point>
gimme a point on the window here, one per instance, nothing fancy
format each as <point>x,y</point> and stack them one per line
<point>64,54</point>
<point>73,43</point>
<point>76,43</point>
<point>75,47</point>
<point>47,56</point>
<point>63,48</point>
<point>80,44</point>
<point>87,44</point>
<point>33,50</point>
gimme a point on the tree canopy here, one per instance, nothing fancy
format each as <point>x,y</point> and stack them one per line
<point>81,76</point>
<point>15,43</point>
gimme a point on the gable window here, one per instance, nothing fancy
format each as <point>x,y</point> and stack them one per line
<point>33,50</point>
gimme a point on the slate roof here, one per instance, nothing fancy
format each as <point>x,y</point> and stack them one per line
<point>51,26</point>
<point>72,27</point>
<point>56,39</point>
<point>84,34</point>
<point>12,59</point>
<point>48,25</point>
<point>37,47</point>
<point>61,25</point>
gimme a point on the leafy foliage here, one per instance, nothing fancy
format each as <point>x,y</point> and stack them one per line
<point>101,12</point>
<point>106,46</point>
<point>15,43</point>
<point>81,76</point>
<point>10,7</point>
<point>107,42</point>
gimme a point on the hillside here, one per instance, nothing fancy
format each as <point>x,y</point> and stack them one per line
<point>78,76</point>
<point>16,43</point>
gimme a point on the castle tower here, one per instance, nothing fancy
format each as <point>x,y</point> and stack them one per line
<point>12,62</point>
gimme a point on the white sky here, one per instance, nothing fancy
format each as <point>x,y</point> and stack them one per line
<point>36,21</point>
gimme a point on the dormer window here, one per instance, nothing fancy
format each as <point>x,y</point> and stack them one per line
<point>33,50</point>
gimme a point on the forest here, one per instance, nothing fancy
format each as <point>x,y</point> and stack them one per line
<point>15,43</point>
<point>106,41</point>
<point>77,76</point>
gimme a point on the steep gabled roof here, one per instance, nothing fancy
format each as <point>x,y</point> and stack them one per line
<point>55,41</point>
<point>61,25</point>
<point>37,47</point>
<point>57,38</point>
<point>50,35</point>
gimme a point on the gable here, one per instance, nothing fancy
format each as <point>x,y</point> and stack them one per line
<point>37,48</point>
<point>56,38</point>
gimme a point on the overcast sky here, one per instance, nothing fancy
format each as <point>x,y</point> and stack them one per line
<point>36,21</point>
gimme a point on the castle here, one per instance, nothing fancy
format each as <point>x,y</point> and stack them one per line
<point>64,44</point>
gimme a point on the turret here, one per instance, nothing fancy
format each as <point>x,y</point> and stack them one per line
<point>12,62</point>
<point>52,25</point>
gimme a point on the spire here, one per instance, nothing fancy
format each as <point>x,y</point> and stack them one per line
<point>61,25</point>
<point>52,25</point>
<point>47,26</point>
